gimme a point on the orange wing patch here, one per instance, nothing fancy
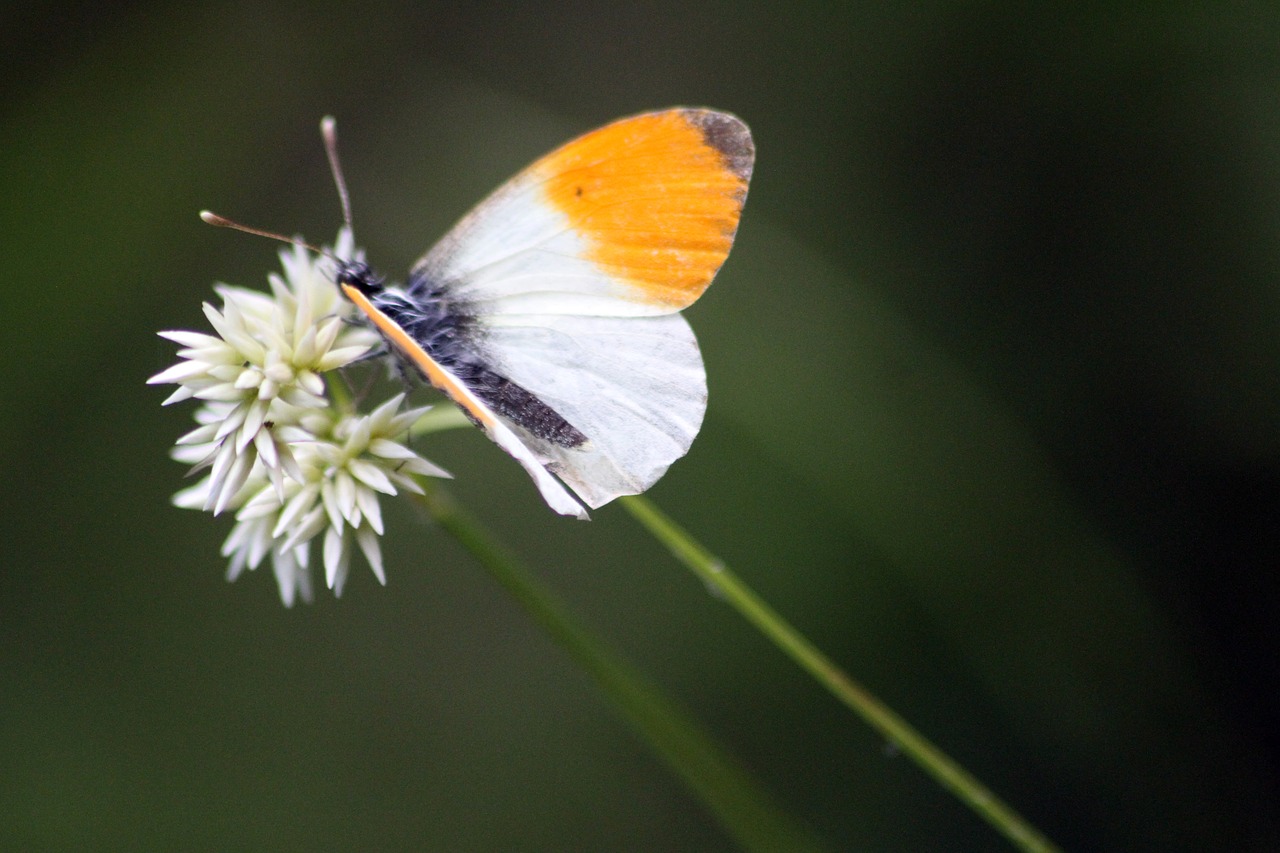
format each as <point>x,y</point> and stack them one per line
<point>657,197</point>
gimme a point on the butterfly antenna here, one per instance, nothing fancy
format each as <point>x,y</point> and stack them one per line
<point>223,222</point>
<point>329,130</point>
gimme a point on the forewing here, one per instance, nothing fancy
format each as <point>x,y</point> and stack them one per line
<point>632,219</point>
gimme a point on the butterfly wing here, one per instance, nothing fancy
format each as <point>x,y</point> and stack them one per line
<point>571,275</point>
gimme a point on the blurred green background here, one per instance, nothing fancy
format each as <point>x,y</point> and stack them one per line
<point>994,410</point>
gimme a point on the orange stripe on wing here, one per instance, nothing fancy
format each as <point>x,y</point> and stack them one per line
<point>657,197</point>
<point>435,374</point>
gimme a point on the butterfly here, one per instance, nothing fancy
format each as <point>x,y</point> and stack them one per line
<point>550,314</point>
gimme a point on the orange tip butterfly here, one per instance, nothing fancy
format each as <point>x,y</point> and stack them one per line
<point>550,313</point>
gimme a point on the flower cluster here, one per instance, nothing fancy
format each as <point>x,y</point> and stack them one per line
<point>290,460</point>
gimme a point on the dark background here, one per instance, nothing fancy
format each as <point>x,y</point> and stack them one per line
<point>993,420</point>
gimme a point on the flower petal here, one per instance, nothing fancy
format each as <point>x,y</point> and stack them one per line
<point>370,509</point>
<point>388,449</point>
<point>371,475</point>
<point>239,473</point>
<point>192,497</point>
<point>180,372</point>
<point>299,504</point>
<point>183,393</point>
<point>368,541</point>
<point>344,491</point>
<point>306,529</point>
<point>191,339</point>
<point>329,497</point>
<point>253,420</point>
<point>340,357</point>
<point>336,560</point>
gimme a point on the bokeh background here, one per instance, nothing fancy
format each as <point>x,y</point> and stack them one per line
<point>994,420</point>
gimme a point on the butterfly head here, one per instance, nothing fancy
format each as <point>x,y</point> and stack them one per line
<point>360,276</point>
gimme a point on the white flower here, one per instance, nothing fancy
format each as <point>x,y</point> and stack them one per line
<point>344,473</point>
<point>290,462</point>
<point>268,354</point>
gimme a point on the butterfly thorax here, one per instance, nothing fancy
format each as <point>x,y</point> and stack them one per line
<point>421,310</point>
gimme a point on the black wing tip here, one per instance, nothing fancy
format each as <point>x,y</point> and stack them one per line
<point>729,135</point>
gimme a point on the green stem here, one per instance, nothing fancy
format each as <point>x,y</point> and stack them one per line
<point>893,728</point>
<point>743,808</point>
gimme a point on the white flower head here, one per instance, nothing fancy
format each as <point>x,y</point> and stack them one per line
<point>280,452</point>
